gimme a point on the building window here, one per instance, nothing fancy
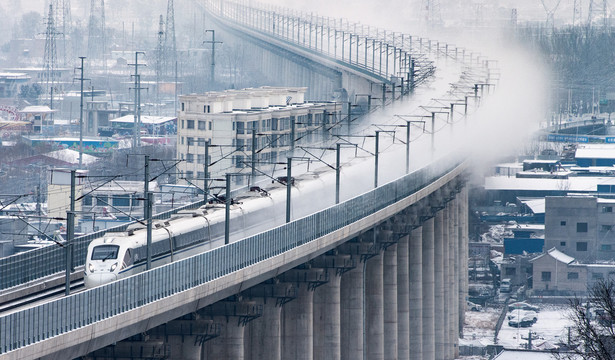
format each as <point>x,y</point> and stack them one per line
<point>209,124</point>
<point>121,200</point>
<point>182,106</point>
<point>597,276</point>
<point>573,275</point>
<point>190,141</point>
<point>240,127</point>
<point>189,157</point>
<point>562,223</point>
<point>605,247</point>
<point>206,109</point>
<point>87,200</point>
<point>182,140</point>
<point>546,276</point>
<point>182,123</point>
<point>201,142</point>
<point>511,271</point>
<point>606,228</point>
<point>200,158</point>
<point>189,124</point>
<point>607,209</point>
<point>582,227</point>
<point>201,125</point>
<point>200,175</point>
<point>562,243</point>
<point>189,174</point>
<point>582,246</point>
<point>102,200</point>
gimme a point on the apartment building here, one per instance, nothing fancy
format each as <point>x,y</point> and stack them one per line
<point>272,118</point>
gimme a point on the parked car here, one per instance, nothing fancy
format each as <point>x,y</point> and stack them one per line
<point>474,307</point>
<point>522,306</point>
<point>505,286</point>
<point>517,321</point>
<point>524,314</point>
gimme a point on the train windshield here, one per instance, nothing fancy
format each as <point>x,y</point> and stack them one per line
<point>105,252</point>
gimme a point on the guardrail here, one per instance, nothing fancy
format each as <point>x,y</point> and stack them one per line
<point>380,54</point>
<point>42,322</point>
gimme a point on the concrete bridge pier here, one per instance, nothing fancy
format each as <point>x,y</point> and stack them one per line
<point>263,335</point>
<point>416,293</point>
<point>428,284</point>
<point>390,297</point>
<point>438,269</point>
<point>232,314</point>
<point>374,307</point>
<point>455,261</point>
<point>403,298</point>
<point>352,301</point>
<point>446,284</point>
<point>327,306</point>
<point>297,315</point>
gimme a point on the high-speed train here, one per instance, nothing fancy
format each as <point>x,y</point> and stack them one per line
<point>121,254</point>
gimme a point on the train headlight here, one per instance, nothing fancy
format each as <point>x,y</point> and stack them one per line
<point>113,267</point>
<point>91,267</point>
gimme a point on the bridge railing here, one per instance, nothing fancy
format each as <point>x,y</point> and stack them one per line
<point>42,322</point>
<point>383,54</point>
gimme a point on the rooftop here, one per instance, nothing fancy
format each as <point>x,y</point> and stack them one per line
<point>557,255</point>
<point>596,151</point>
<point>145,119</point>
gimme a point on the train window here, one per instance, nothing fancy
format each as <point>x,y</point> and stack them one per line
<point>127,260</point>
<point>105,252</point>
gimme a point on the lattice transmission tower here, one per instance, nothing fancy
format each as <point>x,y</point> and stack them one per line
<point>63,23</point>
<point>597,11</point>
<point>577,14</point>
<point>96,31</point>
<point>431,13</point>
<point>550,11</point>
<point>170,46</point>
<point>50,57</point>
<point>160,53</point>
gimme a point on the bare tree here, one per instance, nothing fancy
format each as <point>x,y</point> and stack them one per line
<point>593,332</point>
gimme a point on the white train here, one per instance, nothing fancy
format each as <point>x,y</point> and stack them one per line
<point>119,255</point>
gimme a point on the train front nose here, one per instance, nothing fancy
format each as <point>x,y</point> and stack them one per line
<point>97,279</point>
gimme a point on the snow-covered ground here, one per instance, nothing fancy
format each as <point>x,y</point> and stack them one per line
<point>550,329</point>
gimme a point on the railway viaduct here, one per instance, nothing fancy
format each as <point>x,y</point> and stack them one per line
<point>382,275</point>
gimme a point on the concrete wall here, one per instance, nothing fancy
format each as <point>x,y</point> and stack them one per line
<point>559,276</point>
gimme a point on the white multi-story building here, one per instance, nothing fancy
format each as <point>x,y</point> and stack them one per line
<point>229,120</point>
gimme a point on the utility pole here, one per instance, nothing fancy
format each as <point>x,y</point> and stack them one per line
<point>81,79</point>
<point>147,212</point>
<point>227,209</point>
<point>70,233</point>
<point>376,160</point>
<point>137,111</point>
<point>337,172</point>
<point>253,175</point>
<point>289,162</point>
<point>206,171</point>
<point>213,43</point>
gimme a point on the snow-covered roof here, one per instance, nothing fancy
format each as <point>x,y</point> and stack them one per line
<point>37,109</point>
<point>557,255</point>
<point>528,227</point>
<point>525,354</point>
<point>145,119</point>
<point>596,151</point>
<point>536,205</point>
<point>577,184</point>
<point>71,156</point>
